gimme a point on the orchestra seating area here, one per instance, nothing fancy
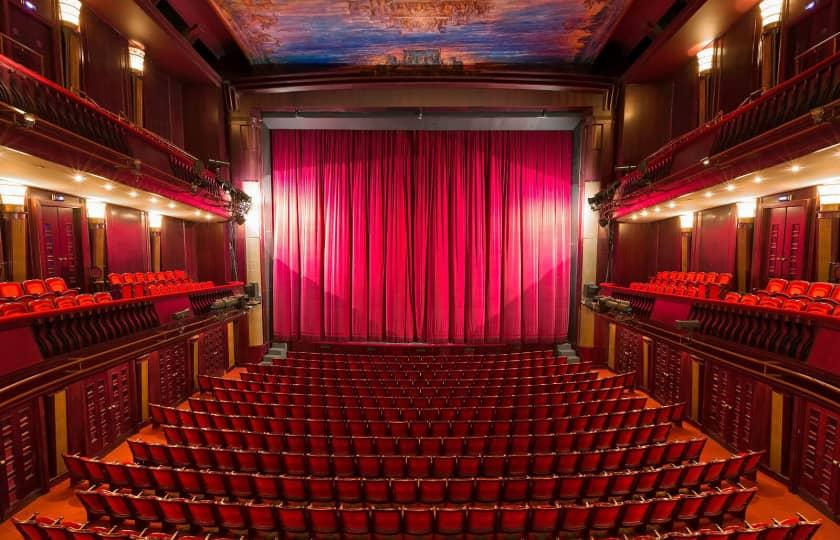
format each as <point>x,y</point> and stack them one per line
<point>357,446</point>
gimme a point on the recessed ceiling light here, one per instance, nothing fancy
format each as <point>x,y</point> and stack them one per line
<point>657,209</point>
<point>207,217</point>
<point>672,204</point>
<point>708,194</point>
<point>133,193</point>
<point>644,213</point>
<point>153,200</point>
<point>79,177</point>
<point>730,187</point>
<point>635,217</point>
<point>706,161</point>
<point>171,205</point>
<point>109,187</point>
<point>758,179</point>
<point>795,168</point>
<point>197,212</point>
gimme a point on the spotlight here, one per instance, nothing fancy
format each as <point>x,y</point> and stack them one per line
<point>705,161</point>
<point>29,120</point>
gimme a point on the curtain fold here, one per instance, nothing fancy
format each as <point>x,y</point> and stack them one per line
<point>430,236</point>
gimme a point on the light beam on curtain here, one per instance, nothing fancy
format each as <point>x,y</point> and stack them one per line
<point>427,236</point>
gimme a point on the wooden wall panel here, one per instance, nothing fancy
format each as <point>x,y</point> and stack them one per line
<point>204,131</point>
<point>739,73</point>
<point>37,34</point>
<point>176,110</point>
<point>668,248</point>
<point>647,120</point>
<point>212,257</point>
<point>685,115</point>
<point>713,240</point>
<point>173,252</point>
<point>635,252</point>
<point>127,240</point>
<point>190,257</point>
<point>156,101</point>
<point>104,73</point>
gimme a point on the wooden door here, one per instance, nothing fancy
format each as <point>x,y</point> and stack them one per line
<point>820,457</point>
<point>628,351</point>
<point>213,352</point>
<point>716,417</point>
<point>97,420</point>
<point>20,473</point>
<point>119,401</point>
<point>786,241</point>
<point>60,244</point>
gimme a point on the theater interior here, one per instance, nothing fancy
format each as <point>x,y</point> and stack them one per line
<point>404,269</point>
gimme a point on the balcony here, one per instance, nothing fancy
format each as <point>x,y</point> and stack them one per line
<point>789,120</point>
<point>42,118</point>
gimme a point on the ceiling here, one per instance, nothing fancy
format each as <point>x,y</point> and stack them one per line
<point>421,32</point>
<point>17,167</point>
<point>817,168</point>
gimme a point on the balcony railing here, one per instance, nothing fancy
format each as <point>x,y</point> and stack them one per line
<point>815,87</point>
<point>165,168</point>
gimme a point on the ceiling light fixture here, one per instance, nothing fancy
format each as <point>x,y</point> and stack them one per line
<point>133,193</point>
<point>746,209</point>
<point>708,194</point>
<point>108,187</point>
<point>795,168</point>
<point>171,205</point>
<point>136,57</point>
<point>79,177</point>
<point>758,179</point>
<point>771,12</point>
<point>730,187</point>
<point>687,221</point>
<point>705,59</point>
<point>69,12</point>
<point>672,204</point>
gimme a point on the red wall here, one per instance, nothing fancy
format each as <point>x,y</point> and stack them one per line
<point>669,244</point>
<point>127,240</point>
<point>104,73</point>
<point>635,248</point>
<point>212,255</point>
<point>173,247</point>
<point>713,241</point>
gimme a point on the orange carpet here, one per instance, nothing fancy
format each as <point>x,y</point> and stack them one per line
<point>773,499</point>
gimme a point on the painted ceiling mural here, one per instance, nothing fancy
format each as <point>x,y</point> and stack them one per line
<point>421,32</point>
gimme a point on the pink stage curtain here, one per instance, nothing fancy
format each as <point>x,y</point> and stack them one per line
<point>432,236</point>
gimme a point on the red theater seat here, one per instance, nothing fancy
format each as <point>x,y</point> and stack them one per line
<point>36,288</point>
<point>58,286</point>
<point>819,290</point>
<point>794,305</point>
<point>820,307</point>
<point>63,302</point>
<point>41,305</point>
<point>774,286</point>
<point>102,297</point>
<point>732,298</point>
<point>750,299</point>
<point>12,308</point>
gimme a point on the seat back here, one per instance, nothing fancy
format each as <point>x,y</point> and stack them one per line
<point>776,285</point>
<point>56,284</point>
<point>797,287</point>
<point>35,287</point>
<point>12,308</point>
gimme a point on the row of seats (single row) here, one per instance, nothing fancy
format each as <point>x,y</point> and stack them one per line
<point>37,527</point>
<point>33,289</point>
<point>142,290</point>
<point>417,357</point>
<point>47,304</point>
<point>797,288</point>
<point>376,466</point>
<point>384,490</point>
<point>528,368</point>
<point>206,383</point>
<point>418,428</point>
<point>511,518</point>
<point>691,278</point>
<point>694,284</point>
<point>423,402</point>
<point>437,380</point>
<point>430,446</point>
<point>307,521</point>
<point>522,412</point>
<point>800,304</point>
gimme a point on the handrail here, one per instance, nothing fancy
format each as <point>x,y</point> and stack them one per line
<point>148,136</point>
<point>26,319</point>
<point>826,321</point>
<point>810,50</point>
<point>669,149</point>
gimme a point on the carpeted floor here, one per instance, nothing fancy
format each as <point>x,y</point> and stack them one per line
<point>773,499</point>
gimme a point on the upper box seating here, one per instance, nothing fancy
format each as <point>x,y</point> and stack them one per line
<point>695,284</point>
<point>48,301</point>
<point>141,284</point>
<point>797,295</point>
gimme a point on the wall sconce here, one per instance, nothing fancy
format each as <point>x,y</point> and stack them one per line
<point>95,210</point>
<point>686,222</point>
<point>771,12</point>
<point>12,195</point>
<point>705,59</point>
<point>136,57</point>
<point>155,221</point>
<point>253,219</point>
<point>829,195</point>
<point>69,11</point>
<point>746,209</point>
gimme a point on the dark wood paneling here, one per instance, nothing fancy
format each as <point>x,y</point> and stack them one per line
<point>37,35</point>
<point>669,244</point>
<point>204,128</point>
<point>684,116</point>
<point>104,73</point>
<point>714,240</point>
<point>647,120</point>
<point>212,257</point>
<point>739,73</point>
<point>176,109</point>
<point>173,253</point>
<point>157,102</point>
<point>190,257</point>
<point>635,252</point>
<point>127,240</point>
